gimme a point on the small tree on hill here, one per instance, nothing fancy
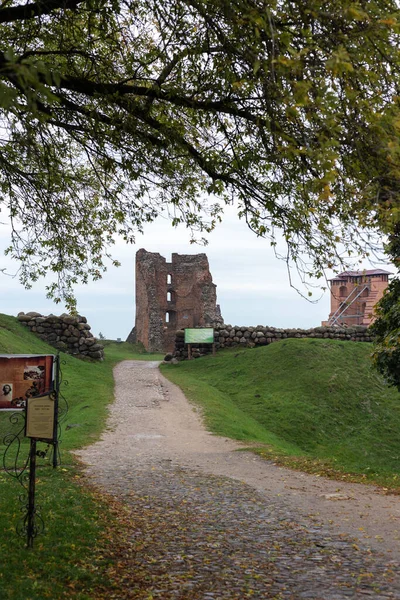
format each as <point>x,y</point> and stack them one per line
<point>386,354</point>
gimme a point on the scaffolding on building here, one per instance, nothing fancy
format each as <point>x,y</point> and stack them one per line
<point>346,304</point>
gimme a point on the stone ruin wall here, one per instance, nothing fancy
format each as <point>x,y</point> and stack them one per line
<point>151,295</point>
<point>70,334</point>
<point>228,336</point>
<point>170,296</point>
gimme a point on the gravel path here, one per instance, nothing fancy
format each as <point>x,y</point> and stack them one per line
<point>212,523</point>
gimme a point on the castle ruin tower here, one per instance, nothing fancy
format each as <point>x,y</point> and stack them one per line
<point>170,296</point>
<point>354,295</point>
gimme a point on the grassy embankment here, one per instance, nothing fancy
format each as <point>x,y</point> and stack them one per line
<point>315,405</point>
<point>311,404</point>
<point>69,560</point>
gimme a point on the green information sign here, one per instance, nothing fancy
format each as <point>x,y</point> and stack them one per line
<point>199,336</point>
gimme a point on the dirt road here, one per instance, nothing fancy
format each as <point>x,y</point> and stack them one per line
<point>155,440</point>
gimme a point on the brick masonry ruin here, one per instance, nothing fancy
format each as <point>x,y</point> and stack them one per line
<point>228,336</point>
<point>70,334</point>
<point>354,295</point>
<point>170,296</point>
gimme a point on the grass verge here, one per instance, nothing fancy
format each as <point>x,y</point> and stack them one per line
<point>72,558</point>
<point>315,405</point>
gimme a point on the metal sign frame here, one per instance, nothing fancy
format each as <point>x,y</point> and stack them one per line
<point>32,524</point>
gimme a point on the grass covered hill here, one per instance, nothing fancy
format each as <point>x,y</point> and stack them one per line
<point>88,388</point>
<point>82,531</point>
<point>312,404</point>
<point>314,399</point>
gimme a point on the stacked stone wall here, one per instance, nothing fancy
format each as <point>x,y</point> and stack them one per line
<point>228,336</point>
<point>70,334</point>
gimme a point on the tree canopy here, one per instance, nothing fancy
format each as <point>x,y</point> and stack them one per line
<point>386,327</point>
<point>114,110</point>
<point>386,354</point>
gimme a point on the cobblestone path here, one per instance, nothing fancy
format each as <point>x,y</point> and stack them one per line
<point>200,536</point>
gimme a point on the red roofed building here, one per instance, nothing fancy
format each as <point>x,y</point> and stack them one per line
<point>354,295</point>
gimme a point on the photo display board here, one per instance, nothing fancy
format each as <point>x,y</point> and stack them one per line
<point>23,376</point>
<point>199,336</point>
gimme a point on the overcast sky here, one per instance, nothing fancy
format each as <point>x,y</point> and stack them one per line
<point>252,285</point>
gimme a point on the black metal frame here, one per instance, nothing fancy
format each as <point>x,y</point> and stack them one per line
<point>31,523</point>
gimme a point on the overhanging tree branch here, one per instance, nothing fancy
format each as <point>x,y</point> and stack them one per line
<point>24,12</point>
<point>292,112</point>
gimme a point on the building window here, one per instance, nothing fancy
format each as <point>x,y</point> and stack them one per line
<point>170,319</point>
<point>343,291</point>
<point>169,297</point>
<point>169,279</point>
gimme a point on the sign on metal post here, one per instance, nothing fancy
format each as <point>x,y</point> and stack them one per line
<point>41,417</point>
<point>40,420</point>
<point>30,391</point>
<point>23,376</point>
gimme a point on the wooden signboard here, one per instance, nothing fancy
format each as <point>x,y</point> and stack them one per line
<point>204,335</point>
<point>199,336</point>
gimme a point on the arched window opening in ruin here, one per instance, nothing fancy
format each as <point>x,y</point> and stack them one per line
<point>170,319</point>
<point>169,297</point>
<point>169,279</point>
<point>343,291</point>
